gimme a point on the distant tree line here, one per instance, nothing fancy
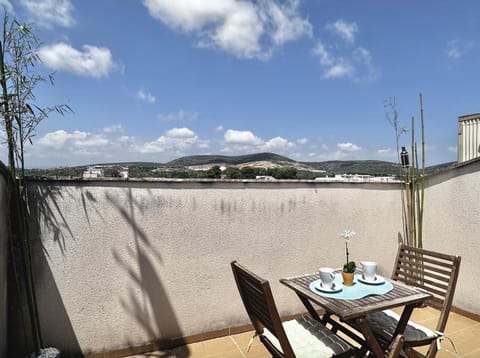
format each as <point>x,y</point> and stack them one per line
<point>239,173</point>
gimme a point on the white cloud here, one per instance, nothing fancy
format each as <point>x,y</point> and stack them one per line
<point>219,128</point>
<point>288,25</point>
<point>174,141</point>
<point>145,96</point>
<point>386,154</point>
<point>344,29</point>
<point>92,140</point>
<point>7,5</point>
<point>321,52</point>
<point>333,66</point>
<point>79,147</point>
<point>340,62</point>
<point>302,141</point>
<point>456,49</point>
<point>277,144</point>
<point>247,142</point>
<point>113,128</point>
<point>348,147</point>
<point>243,29</point>
<point>180,115</point>
<point>69,148</point>
<point>50,13</point>
<point>242,138</point>
<point>364,64</point>
<point>452,149</point>
<point>61,138</point>
<point>454,53</point>
<point>92,61</point>
<point>125,139</point>
<point>180,133</point>
<point>56,139</point>
<point>384,151</point>
<point>339,70</point>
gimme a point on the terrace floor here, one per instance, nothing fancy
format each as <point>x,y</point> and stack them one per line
<point>463,331</point>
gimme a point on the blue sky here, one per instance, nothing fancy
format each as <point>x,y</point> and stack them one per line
<point>154,80</point>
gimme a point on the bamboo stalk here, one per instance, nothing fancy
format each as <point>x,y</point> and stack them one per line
<point>412,188</point>
<point>422,200</point>
<point>6,113</point>
<point>10,109</point>
<point>418,208</point>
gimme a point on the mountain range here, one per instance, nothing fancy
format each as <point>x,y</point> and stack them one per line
<point>258,160</point>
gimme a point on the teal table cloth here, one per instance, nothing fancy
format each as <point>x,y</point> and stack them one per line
<point>357,291</point>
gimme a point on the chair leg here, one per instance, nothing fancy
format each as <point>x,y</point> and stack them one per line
<point>432,350</point>
<point>412,353</point>
<point>395,347</point>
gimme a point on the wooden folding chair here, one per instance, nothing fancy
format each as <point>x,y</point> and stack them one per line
<point>431,271</point>
<point>301,337</point>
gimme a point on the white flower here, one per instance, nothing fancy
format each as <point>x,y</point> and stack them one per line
<point>348,234</point>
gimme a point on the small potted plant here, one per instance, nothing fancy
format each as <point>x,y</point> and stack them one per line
<point>348,271</point>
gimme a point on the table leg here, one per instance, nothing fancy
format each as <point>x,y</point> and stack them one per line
<point>309,307</point>
<point>373,345</point>
<point>402,323</point>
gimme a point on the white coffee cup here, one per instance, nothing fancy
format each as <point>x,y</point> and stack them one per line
<point>327,276</point>
<point>369,269</point>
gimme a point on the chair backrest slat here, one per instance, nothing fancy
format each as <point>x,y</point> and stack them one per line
<point>258,301</point>
<point>257,304</point>
<point>425,264</point>
<point>432,271</point>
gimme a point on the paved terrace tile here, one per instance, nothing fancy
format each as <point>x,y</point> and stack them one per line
<point>463,331</point>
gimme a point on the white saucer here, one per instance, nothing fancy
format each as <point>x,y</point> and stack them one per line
<point>336,287</point>
<point>377,281</point>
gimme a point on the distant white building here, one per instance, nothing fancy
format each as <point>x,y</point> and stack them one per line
<point>265,177</point>
<point>123,171</point>
<point>468,137</point>
<point>358,178</point>
<point>96,171</point>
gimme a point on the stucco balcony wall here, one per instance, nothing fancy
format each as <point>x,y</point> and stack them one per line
<point>124,263</point>
<point>452,225</point>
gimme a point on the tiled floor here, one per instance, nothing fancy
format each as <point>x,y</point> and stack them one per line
<point>464,332</point>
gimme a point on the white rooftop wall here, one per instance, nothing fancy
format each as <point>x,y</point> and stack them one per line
<point>129,263</point>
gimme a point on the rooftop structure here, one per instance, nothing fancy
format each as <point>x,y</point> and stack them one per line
<point>468,137</point>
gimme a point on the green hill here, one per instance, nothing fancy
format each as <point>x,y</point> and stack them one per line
<point>224,159</point>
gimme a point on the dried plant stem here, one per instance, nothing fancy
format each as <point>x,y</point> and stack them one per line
<point>346,249</point>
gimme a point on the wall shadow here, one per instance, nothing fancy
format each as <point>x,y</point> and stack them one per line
<point>45,211</point>
<point>152,310</point>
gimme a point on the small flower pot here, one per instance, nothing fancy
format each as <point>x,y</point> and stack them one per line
<point>348,278</point>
